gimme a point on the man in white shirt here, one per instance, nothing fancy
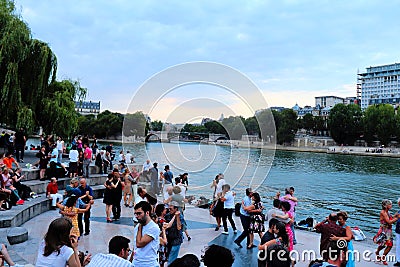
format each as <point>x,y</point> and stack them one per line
<point>118,249</point>
<point>146,237</point>
<point>146,166</point>
<point>128,157</point>
<point>228,197</point>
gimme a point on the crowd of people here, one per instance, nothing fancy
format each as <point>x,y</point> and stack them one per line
<point>160,227</point>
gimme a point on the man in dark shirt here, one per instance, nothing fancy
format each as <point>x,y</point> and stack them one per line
<point>86,191</point>
<point>327,228</point>
<point>19,144</point>
<point>268,236</point>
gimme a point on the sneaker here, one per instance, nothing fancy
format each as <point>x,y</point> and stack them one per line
<point>20,202</point>
<point>225,232</point>
<point>22,161</point>
<point>217,228</point>
<point>86,233</point>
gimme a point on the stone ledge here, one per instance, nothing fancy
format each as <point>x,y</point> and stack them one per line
<point>17,235</point>
<point>20,214</point>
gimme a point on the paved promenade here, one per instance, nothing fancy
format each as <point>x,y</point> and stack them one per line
<point>201,229</point>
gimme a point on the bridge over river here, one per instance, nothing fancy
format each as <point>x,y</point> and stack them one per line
<point>167,136</point>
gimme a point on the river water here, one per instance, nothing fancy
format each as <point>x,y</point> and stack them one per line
<point>322,182</point>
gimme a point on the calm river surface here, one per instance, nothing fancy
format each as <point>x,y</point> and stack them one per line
<point>323,182</point>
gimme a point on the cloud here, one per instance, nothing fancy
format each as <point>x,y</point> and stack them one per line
<point>298,49</point>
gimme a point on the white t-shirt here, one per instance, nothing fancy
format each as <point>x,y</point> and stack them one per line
<point>147,256</point>
<point>139,199</point>
<point>229,203</point>
<point>147,166</point>
<point>109,260</point>
<point>219,186</point>
<point>60,145</point>
<point>128,158</point>
<point>53,259</point>
<point>73,155</point>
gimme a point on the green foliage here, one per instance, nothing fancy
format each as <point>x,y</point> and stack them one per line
<point>59,115</point>
<point>267,125</point>
<point>156,125</point>
<point>308,122</point>
<point>190,128</point>
<point>380,123</point>
<point>28,79</point>
<point>286,126</point>
<point>234,127</point>
<point>344,123</point>
<point>135,124</point>
<point>215,127</point>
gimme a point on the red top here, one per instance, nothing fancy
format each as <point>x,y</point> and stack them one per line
<point>8,162</point>
<point>52,188</point>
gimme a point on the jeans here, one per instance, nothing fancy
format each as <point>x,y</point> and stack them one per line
<point>173,254</point>
<point>245,220</point>
<point>228,214</point>
<point>55,198</point>
<point>294,236</point>
<point>86,163</point>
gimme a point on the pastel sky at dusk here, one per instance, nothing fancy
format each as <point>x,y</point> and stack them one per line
<point>292,50</point>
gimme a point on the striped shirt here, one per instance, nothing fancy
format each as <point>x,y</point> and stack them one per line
<point>109,260</point>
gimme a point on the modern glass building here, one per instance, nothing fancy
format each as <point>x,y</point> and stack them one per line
<point>380,85</point>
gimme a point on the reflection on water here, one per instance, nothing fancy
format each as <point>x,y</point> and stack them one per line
<point>323,182</point>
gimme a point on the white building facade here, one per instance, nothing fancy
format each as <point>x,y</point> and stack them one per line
<point>380,85</point>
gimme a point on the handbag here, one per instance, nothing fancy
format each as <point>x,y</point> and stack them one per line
<point>379,238</point>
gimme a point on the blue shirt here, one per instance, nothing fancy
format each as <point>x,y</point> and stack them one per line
<point>168,176</point>
<point>79,204</point>
<point>247,202</point>
<point>83,190</point>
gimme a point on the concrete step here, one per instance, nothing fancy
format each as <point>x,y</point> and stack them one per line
<point>39,187</point>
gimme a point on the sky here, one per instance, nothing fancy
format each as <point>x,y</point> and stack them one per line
<point>292,51</point>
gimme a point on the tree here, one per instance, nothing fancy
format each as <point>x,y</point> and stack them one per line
<point>252,126</point>
<point>135,124</point>
<point>344,123</point>
<point>379,122</point>
<point>286,126</point>
<point>267,124</point>
<point>28,86</point>
<point>235,127</point>
<point>215,127</point>
<point>308,122</point>
<point>58,114</point>
<point>156,125</point>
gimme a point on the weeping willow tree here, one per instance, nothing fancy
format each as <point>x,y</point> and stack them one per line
<point>30,96</point>
<point>59,107</point>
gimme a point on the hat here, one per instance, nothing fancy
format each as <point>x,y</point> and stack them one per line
<point>174,203</point>
<point>166,167</point>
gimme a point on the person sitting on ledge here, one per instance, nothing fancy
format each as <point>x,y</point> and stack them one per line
<point>52,192</point>
<point>118,249</point>
<point>8,184</point>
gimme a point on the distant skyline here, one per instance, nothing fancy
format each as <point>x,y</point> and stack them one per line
<point>292,50</point>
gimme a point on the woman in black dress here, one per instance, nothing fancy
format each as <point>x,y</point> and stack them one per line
<point>108,195</point>
<point>43,160</point>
